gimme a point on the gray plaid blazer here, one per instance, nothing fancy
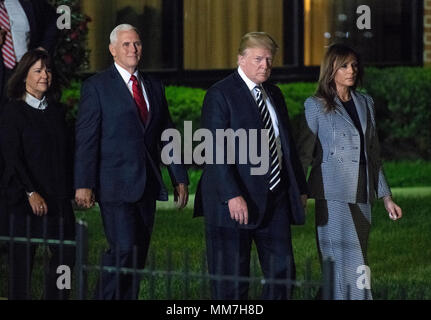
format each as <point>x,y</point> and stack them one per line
<point>330,142</point>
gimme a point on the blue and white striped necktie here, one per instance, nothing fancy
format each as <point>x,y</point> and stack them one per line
<point>274,176</point>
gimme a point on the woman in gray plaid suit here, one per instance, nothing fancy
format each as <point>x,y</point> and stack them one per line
<point>341,144</point>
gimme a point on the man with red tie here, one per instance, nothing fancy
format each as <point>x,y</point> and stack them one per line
<point>121,117</point>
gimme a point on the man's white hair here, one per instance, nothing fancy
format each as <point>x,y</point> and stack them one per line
<point>122,27</point>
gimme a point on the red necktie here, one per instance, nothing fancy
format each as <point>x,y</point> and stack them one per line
<point>139,99</point>
<point>7,50</point>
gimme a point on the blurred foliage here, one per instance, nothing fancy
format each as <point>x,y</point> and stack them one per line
<point>185,105</point>
<point>70,97</point>
<point>71,55</point>
<point>295,94</point>
<point>402,97</point>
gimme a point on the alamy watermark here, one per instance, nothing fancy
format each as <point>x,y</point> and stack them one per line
<point>65,278</point>
<point>364,280</point>
<point>227,141</point>
<point>364,20</point>
<point>64,21</point>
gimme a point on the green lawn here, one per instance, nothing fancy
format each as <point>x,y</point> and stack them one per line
<point>399,252</point>
<point>408,173</point>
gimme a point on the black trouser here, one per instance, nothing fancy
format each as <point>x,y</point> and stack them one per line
<point>229,250</point>
<point>3,221</point>
<point>23,223</point>
<point>127,226</point>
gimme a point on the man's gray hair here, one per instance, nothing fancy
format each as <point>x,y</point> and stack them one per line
<point>122,27</point>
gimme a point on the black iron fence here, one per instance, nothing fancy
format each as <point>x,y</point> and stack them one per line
<point>187,283</point>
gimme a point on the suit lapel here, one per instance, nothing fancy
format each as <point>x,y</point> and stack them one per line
<point>249,107</point>
<point>274,103</point>
<point>121,87</point>
<point>361,108</point>
<point>342,111</point>
<point>124,94</point>
<point>283,131</point>
<point>149,91</point>
<point>29,11</point>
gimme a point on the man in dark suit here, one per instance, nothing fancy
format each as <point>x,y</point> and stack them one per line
<point>122,115</point>
<point>240,207</point>
<point>29,24</point>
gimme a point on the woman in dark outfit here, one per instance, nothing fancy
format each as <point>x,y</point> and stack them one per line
<point>38,172</point>
<point>341,144</point>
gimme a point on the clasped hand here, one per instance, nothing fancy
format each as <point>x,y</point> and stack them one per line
<point>84,198</point>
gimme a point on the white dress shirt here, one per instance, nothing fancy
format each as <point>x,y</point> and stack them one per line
<point>19,26</point>
<point>126,77</point>
<point>35,102</point>
<point>251,85</point>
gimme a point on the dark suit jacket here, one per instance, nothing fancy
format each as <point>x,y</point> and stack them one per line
<point>114,151</point>
<point>42,19</point>
<point>3,209</point>
<point>230,104</point>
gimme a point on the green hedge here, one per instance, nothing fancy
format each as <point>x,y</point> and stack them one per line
<point>70,96</point>
<point>185,105</point>
<point>295,94</point>
<point>403,104</point>
<point>400,174</point>
<point>402,98</point>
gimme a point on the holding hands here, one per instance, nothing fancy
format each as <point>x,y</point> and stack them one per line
<point>37,204</point>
